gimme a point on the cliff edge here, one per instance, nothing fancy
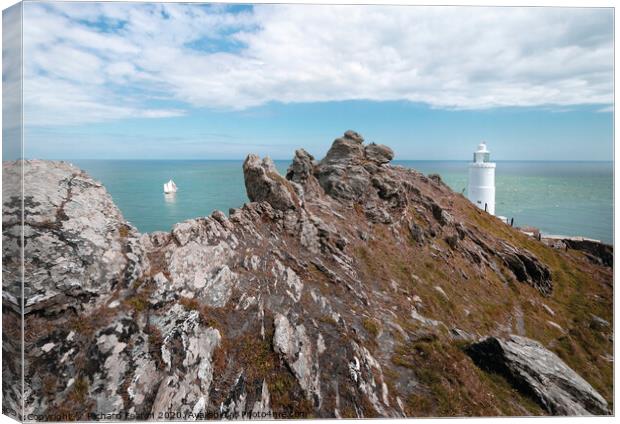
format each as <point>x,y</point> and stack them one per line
<point>347,288</point>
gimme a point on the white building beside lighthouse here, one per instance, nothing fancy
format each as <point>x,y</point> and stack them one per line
<point>481,188</point>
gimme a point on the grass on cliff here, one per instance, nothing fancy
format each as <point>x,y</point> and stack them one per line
<point>580,290</point>
<point>371,326</point>
<point>482,302</point>
<point>449,384</point>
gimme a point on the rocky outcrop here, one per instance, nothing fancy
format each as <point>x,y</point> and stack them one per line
<point>524,265</point>
<point>527,268</point>
<point>76,243</point>
<point>301,168</point>
<point>349,169</point>
<point>264,183</point>
<point>540,374</point>
<point>378,153</point>
<point>296,349</point>
<point>597,252</point>
<point>344,289</point>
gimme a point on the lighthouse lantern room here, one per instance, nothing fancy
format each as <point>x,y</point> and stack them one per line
<point>481,189</point>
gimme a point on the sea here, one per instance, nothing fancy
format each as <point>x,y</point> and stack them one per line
<point>560,198</point>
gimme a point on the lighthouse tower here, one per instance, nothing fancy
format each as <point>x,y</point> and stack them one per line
<point>481,189</point>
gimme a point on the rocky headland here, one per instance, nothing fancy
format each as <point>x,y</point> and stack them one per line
<point>347,288</point>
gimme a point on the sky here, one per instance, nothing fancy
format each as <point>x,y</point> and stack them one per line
<point>191,81</point>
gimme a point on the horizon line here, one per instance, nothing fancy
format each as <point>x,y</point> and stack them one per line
<point>290,160</point>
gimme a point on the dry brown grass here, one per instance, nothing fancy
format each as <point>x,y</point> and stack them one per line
<point>453,386</point>
<point>484,301</point>
<point>371,326</point>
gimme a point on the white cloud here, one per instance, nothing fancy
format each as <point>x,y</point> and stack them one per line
<point>448,57</point>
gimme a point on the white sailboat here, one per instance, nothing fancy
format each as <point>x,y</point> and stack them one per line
<point>170,187</point>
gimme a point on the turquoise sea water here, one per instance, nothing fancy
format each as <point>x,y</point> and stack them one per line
<point>569,198</point>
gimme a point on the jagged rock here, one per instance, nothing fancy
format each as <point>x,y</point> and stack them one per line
<point>597,252</point>
<point>163,291</point>
<point>436,178</point>
<point>524,265</point>
<point>262,407</point>
<point>341,173</point>
<point>345,173</point>
<point>598,323</point>
<point>452,241</point>
<point>442,216</point>
<point>367,374</point>
<point>460,335</point>
<point>155,239</point>
<point>416,232</point>
<point>344,151</point>
<point>185,389</point>
<point>352,135</point>
<point>292,342</point>
<point>461,231</point>
<point>235,404</point>
<point>309,235</point>
<point>527,268</point>
<point>301,173</point>
<point>301,168</point>
<point>354,186</point>
<point>198,266</point>
<point>377,214</point>
<point>114,359</point>
<point>263,183</point>
<point>288,277</point>
<point>540,374</point>
<point>72,252</point>
<point>387,188</point>
<point>422,319</point>
<point>379,153</point>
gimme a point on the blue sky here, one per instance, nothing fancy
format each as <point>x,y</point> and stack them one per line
<point>415,131</point>
<point>163,81</point>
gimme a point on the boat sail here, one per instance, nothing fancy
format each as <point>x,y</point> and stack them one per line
<point>170,187</point>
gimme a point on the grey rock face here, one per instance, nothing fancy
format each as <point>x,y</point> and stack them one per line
<point>352,135</point>
<point>440,214</point>
<point>379,153</point>
<point>77,243</point>
<point>292,342</point>
<point>349,169</point>
<point>598,323</point>
<point>185,389</point>
<point>539,373</point>
<point>301,168</point>
<point>597,252</point>
<point>344,150</point>
<point>527,268</point>
<point>342,183</point>
<point>264,184</point>
<point>417,233</point>
<point>524,265</point>
<point>460,335</point>
<point>367,375</point>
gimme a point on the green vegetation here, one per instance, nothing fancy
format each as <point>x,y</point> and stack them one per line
<point>137,303</point>
<point>371,326</point>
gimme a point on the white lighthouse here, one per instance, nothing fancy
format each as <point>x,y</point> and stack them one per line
<point>481,189</point>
